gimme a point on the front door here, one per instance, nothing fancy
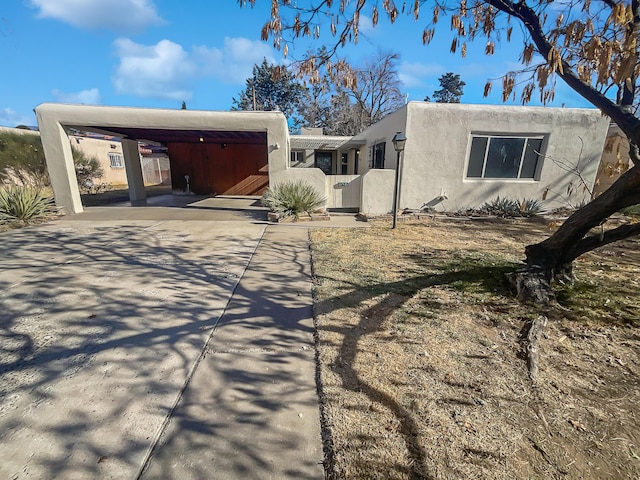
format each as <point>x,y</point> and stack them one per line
<point>324,161</point>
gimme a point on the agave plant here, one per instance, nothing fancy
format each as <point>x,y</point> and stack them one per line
<point>529,207</point>
<point>23,203</point>
<point>292,198</point>
<point>506,207</point>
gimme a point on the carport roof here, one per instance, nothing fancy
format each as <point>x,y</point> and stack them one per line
<point>164,135</point>
<point>323,142</point>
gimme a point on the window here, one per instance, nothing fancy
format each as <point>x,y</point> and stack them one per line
<point>116,160</point>
<point>344,164</point>
<point>297,158</point>
<point>377,155</point>
<point>504,157</point>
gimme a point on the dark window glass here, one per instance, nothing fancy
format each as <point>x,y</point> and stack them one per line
<point>476,157</point>
<point>503,157</point>
<point>378,155</point>
<point>531,157</point>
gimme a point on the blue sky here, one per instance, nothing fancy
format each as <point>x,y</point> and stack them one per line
<point>157,53</point>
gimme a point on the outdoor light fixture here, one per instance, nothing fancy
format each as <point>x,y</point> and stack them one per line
<point>399,139</point>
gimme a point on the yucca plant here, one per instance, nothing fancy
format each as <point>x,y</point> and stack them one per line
<point>292,198</point>
<point>23,203</point>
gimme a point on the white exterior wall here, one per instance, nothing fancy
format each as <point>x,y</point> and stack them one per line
<point>383,131</point>
<point>439,140</point>
<point>377,191</point>
<point>313,176</point>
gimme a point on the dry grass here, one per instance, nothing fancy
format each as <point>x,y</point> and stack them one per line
<point>420,366</point>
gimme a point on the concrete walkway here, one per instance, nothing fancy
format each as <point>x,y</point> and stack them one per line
<point>133,346</point>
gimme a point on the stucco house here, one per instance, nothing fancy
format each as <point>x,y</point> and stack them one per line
<point>459,156</point>
<point>456,155</point>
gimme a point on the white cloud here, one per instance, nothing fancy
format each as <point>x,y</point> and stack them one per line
<point>365,25</point>
<point>162,70</point>
<point>86,97</point>
<point>126,16</point>
<point>11,118</point>
<point>233,63</point>
<point>414,75</point>
<point>166,70</point>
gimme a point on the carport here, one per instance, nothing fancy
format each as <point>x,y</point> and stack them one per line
<point>211,152</point>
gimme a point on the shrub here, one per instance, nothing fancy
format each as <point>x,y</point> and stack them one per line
<point>632,211</point>
<point>22,159</point>
<point>530,208</point>
<point>292,198</point>
<point>506,207</point>
<point>23,203</point>
<point>88,169</point>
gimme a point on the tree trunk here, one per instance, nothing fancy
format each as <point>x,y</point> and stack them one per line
<point>551,260</point>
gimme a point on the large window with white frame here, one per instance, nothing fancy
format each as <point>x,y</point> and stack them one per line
<point>502,156</point>
<point>116,160</point>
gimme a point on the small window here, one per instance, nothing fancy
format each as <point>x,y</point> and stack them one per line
<point>344,164</point>
<point>504,157</point>
<point>116,160</point>
<point>297,158</point>
<point>377,160</point>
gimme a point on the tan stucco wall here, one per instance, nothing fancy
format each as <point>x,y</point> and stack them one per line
<point>313,176</point>
<point>438,143</point>
<point>437,162</point>
<point>100,149</point>
<point>377,191</point>
<point>383,131</point>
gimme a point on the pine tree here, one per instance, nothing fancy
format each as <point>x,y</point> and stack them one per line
<point>271,88</point>
<point>451,89</point>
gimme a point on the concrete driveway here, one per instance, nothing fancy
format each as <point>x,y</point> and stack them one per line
<point>146,342</point>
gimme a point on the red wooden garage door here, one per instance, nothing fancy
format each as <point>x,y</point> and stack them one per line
<point>219,168</point>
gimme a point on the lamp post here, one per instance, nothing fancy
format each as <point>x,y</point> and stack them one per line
<point>399,139</point>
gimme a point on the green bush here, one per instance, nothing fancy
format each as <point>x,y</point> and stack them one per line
<point>292,198</point>
<point>506,207</point>
<point>23,203</point>
<point>22,159</point>
<point>88,170</point>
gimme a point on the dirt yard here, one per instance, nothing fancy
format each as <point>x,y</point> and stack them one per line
<point>421,369</point>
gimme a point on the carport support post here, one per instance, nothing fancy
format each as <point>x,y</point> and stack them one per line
<point>137,194</point>
<point>57,151</point>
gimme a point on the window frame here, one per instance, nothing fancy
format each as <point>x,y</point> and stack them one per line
<point>120,160</point>
<point>375,147</point>
<point>542,137</point>
<point>296,158</point>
